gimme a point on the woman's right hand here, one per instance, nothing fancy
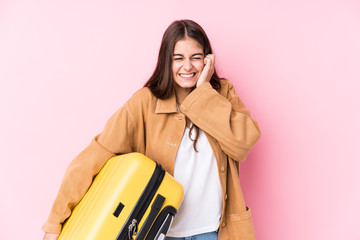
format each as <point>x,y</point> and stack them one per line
<point>51,236</point>
<point>208,70</point>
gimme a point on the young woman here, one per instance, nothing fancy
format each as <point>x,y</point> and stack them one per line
<point>192,123</point>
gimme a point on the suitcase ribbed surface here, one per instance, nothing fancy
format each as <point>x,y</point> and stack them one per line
<point>121,182</point>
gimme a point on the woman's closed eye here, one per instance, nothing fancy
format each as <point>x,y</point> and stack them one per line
<point>181,59</point>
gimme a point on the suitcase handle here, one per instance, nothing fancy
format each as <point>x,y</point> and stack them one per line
<point>161,234</point>
<point>155,209</point>
<point>162,224</point>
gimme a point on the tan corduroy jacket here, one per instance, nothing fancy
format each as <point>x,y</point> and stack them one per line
<point>155,128</point>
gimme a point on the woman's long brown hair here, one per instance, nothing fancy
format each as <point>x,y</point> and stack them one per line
<point>161,82</point>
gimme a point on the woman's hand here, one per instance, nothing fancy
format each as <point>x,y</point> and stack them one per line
<point>51,236</point>
<point>208,69</point>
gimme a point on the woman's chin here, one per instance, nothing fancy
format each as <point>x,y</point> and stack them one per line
<point>186,84</point>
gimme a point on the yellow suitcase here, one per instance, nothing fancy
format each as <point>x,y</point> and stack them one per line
<point>132,197</point>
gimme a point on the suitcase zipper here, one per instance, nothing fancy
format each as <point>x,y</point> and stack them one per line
<point>130,227</point>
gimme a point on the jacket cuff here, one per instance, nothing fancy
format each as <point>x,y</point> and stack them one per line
<point>51,228</point>
<point>194,95</point>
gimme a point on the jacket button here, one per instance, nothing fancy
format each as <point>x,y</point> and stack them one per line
<point>222,169</point>
<point>224,224</point>
<point>226,196</point>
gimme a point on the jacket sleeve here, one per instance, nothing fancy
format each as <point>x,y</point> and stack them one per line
<point>224,117</point>
<point>115,139</point>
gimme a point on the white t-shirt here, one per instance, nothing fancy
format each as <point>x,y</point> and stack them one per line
<point>200,210</point>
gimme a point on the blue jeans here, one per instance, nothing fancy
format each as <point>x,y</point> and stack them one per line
<point>203,236</point>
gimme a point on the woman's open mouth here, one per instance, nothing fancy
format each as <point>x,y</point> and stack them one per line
<point>187,76</point>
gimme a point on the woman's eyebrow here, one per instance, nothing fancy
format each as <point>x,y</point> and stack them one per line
<point>178,54</point>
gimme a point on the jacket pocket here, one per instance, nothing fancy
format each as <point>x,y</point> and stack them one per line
<point>242,225</point>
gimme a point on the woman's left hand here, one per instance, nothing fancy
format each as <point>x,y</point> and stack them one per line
<point>208,69</point>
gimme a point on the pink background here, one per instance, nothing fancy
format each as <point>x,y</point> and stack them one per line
<point>66,66</point>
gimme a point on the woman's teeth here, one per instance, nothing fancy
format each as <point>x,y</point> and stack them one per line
<point>187,75</point>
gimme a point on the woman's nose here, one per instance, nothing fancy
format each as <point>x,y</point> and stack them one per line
<point>187,66</point>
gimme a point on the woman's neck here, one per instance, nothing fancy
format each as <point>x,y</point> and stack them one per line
<point>181,94</point>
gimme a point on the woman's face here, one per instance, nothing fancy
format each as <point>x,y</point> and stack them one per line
<point>187,63</point>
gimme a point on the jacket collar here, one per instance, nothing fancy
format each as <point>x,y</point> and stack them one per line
<point>167,105</point>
